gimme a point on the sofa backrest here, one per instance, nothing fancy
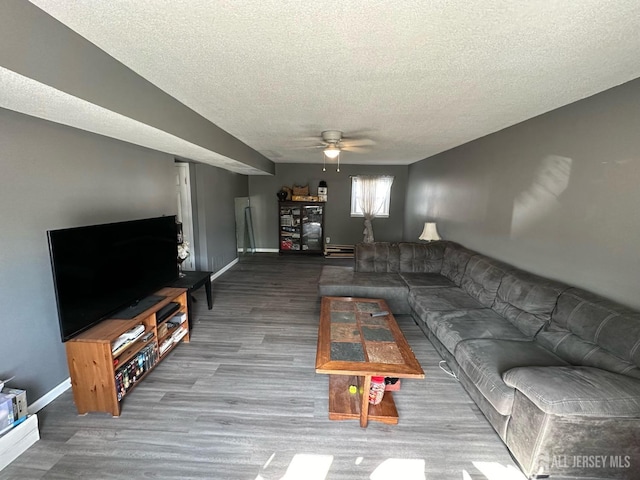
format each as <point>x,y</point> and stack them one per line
<point>455,261</point>
<point>592,331</point>
<point>527,300</point>
<point>377,257</point>
<point>482,277</point>
<point>409,257</point>
<point>421,257</point>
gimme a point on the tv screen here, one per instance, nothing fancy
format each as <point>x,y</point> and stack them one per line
<point>99,270</point>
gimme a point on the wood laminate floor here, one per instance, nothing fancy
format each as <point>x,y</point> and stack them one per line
<point>242,401</point>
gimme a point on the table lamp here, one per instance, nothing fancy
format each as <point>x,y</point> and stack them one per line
<point>430,232</point>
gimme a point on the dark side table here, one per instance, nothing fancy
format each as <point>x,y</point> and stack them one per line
<point>193,281</point>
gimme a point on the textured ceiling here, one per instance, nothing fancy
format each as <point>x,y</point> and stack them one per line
<point>417,77</point>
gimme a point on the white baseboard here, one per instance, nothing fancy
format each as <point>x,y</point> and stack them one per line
<point>49,397</point>
<point>224,269</point>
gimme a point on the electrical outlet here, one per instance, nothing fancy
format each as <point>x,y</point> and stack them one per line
<point>327,240</point>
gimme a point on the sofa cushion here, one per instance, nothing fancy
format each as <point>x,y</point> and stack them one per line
<point>421,257</point>
<point>452,298</point>
<point>583,391</point>
<point>482,277</point>
<point>377,257</point>
<point>527,300</point>
<point>589,330</point>
<point>485,360</point>
<point>453,326</point>
<point>425,280</point>
<point>334,281</point>
<point>455,261</point>
<point>344,282</point>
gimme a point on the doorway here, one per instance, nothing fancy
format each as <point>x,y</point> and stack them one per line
<point>185,211</point>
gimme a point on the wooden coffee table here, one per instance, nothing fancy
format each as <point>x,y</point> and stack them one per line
<point>354,346</point>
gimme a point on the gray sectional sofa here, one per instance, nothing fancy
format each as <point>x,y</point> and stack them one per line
<point>555,369</point>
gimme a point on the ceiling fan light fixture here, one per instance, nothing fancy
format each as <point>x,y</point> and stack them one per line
<point>332,152</point>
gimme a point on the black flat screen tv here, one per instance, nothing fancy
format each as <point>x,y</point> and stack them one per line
<point>102,270</point>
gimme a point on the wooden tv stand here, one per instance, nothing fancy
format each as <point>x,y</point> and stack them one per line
<point>94,368</point>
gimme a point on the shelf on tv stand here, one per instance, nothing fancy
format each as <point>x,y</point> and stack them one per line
<point>139,307</point>
<point>91,361</point>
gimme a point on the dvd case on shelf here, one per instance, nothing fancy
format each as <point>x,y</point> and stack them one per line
<point>128,374</point>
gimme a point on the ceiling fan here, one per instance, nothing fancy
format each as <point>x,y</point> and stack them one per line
<point>333,142</point>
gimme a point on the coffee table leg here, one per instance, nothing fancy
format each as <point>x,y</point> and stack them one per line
<point>364,406</point>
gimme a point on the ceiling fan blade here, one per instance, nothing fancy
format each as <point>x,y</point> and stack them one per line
<point>307,147</point>
<point>355,149</point>
<point>357,142</point>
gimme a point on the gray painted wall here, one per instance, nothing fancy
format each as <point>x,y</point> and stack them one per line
<point>338,223</point>
<point>53,177</point>
<point>215,191</point>
<point>556,195</point>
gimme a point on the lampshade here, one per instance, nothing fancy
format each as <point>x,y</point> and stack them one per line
<point>430,232</point>
<point>332,151</point>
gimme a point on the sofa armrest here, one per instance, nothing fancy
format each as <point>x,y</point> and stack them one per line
<point>582,391</point>
<point>344,282</point>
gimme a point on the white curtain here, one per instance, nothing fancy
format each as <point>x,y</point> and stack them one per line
<point>374,191</point>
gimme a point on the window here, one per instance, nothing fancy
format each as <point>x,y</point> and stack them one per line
<point>372,194</point>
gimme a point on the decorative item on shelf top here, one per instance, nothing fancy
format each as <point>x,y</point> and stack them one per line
<point>301,190</point>
<point>183,254</point>
<point>297,194</point>
<point>322,191</point>
<point>430,232</point>
<point>288,190</point>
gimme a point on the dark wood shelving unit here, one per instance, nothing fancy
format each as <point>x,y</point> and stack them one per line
<point>301,227</point>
